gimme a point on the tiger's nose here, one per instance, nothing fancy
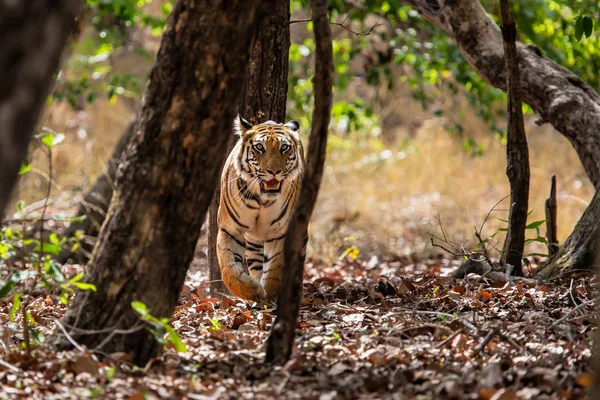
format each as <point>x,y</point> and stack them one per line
<point>274,171</point>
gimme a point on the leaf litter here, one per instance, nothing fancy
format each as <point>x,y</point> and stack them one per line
<point>367,330</point>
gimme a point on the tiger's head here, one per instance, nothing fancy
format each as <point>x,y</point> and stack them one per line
<point>271,154</point>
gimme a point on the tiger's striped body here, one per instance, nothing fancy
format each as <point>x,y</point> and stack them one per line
<point>260,183</point>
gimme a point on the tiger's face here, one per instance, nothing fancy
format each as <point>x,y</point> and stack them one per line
<point>271,155</point>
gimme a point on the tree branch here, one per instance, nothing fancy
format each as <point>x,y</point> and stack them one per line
<point>555,93</point>
<point>341,24</point>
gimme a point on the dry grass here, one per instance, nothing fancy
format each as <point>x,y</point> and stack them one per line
<point>389,200</point>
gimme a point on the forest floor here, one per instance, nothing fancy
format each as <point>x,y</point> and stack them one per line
<point>368,330</point>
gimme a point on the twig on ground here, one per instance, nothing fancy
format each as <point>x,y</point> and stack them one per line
<point>487,339</point>
<point>462,320</point>
<point>69,337</point>
<point>133,329</point>
<point>574,310</point>
<point>9,366</point>
<point>571,293</point>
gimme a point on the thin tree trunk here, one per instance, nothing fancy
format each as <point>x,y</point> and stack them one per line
<point>167,176</point>
<point>551,229</point>
<point>281,339</point>
<point>265,95</point>
<point>94,205</point>
<point>517,153</point>
<point>33,35</point>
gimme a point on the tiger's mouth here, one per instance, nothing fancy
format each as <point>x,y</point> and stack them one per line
<point>271,186</point>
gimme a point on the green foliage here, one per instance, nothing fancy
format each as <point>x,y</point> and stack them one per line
<point>159,327</point>
<point>90,71</point>
<point>29,260</point>
<point>432,65</point>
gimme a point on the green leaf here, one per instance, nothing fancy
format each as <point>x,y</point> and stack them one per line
<point>52,139</point>
<point>588,25</point>
<point>85,286</point>
<point>578,28</point>
<point>535,224</point>
<point>4,290</point>
<point>176,340</point>
<point>64,298</point>
<point>54,239</point>
<point>15,306</point>
<point>48,139</point>
<point>24,168</point>
<point>140,308</point>
<point>48,248</point>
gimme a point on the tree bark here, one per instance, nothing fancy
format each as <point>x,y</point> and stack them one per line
<point>94,205</point>
<point>33,35</point>
<point>551,229</point>
<point>517,152</point>
<point>579,250</point>
<point>559,96</point>
<point>281,339</point>
<point>167,176</point>
<point>265,95</point>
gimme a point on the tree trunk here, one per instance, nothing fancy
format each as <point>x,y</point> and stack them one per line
<point>265,95</point>
<point>594,392</point>
<point>281,340</point>
<point>167,176</point>
<point>559,96</point>
<point>550,208</point>
<point>33,35</point>
<point>579,250</point>
<point>517,152</point>
<point>94,205</point>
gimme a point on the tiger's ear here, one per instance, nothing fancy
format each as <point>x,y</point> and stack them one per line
<point>240,126</point>
<point>294,126</point>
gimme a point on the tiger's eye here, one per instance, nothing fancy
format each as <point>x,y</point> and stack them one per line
<point>259,147</point>
<point>284,148</point>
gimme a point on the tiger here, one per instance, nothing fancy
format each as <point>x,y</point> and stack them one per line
<point>260,184</point>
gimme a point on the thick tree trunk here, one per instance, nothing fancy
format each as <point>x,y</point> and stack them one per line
<point>167,175</point>
<point>559,96</point>
<point>265,95</point>
<point>579,250</point>
<point>517,152</point>
<point>281,340</point>
<point>94,205</point>
<point>33,35</point>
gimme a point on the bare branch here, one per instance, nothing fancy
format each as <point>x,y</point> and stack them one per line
<point>341,24</point>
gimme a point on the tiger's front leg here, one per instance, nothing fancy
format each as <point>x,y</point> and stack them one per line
<point>273,265</point>
<point>254,256</point>
<point>230,252</point>
<point>273,261</point>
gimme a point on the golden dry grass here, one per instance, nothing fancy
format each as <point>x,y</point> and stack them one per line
<point>389,199</point>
